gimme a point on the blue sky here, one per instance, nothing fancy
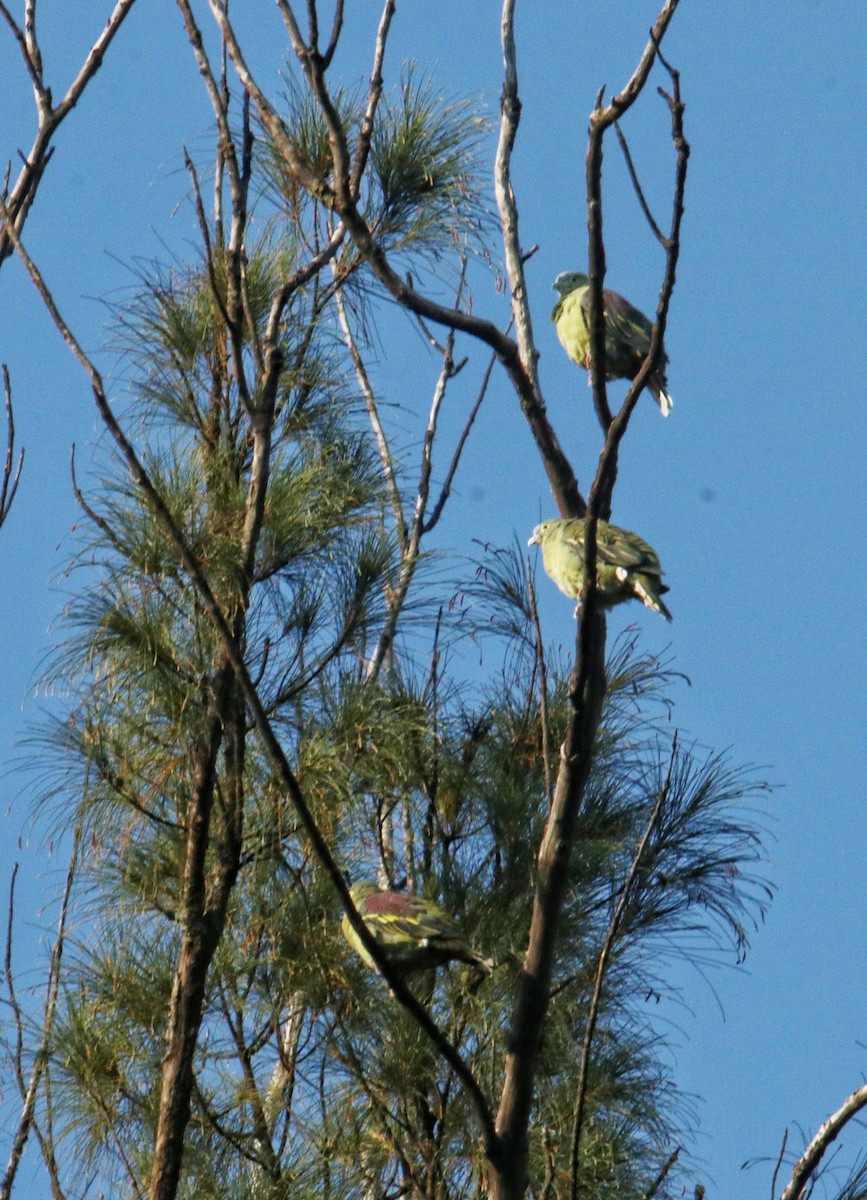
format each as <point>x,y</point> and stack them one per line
<point>753,492</point>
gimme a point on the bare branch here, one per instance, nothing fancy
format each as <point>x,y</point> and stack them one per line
<point>561,476</point>
<point>362,146</point>
<point>19,200</point>
<point>510,116</point>
<point>636,183</point>
<point>445,492</point>
<point>543,681</point>
<point>26,1119</point>
<point>11,470</point>
<point>28,47</point>
<point>809,1161</point>
<point>622,102</point>
<point>385,455</point>
<point>599,500</point>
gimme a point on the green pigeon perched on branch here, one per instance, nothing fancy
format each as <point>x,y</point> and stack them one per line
<point>627,334</point>
<point>626,567</point>
<point>415,933</point>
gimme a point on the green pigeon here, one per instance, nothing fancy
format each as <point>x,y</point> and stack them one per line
<point>627,334</point>
<point>626,567</point>
<point>415,933</point>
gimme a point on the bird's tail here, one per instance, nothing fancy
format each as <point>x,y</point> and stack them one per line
<point>485,965</point>
<point>661,396</point>
<point>647,590</point>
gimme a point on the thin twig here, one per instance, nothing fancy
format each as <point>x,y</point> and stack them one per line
<point>779,1163</point>
<point>22,195</point>
<point>445,492</point>
<point>40,1062</point>
<point>602,967</point>
<point>385,456</point>
<point>543,682</point>
<point>11,471</point>
<point>410,552</point>
<point>633,174</point>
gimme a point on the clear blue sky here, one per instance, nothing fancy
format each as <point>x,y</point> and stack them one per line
<point>753,492</point>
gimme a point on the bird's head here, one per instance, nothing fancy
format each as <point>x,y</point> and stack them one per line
<point>568,281</point>
<point>539,533</point>
<point>360,891</point>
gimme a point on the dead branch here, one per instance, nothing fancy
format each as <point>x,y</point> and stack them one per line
<point>11,469</point>
<point>809,1162</point>
<point>636,184</point>
<point>601,119</point>
<point>40,1062</point>
<point>49,117</point>
<point>599,500</point>
<point>445,491</point>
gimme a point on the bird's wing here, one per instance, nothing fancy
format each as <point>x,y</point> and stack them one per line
<point>621,548</point>
<point>623,321</point>
<point>572,533</point>
<point>408,917</point>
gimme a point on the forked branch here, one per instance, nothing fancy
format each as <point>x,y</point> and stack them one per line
<point>49,116</point>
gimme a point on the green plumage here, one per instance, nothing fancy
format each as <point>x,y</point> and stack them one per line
<point>626,567</point>
<point>415,933</point>
<point>627,334</point>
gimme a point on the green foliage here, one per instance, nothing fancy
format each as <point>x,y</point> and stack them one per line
<point>423,194</point>
<point>309,1078</point>
<point>424,156</point>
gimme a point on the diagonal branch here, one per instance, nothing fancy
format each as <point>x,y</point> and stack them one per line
<point>410,551</point>
<point>636,183</point>
<point>385,456</point>
<point>809,1161</point>
<point>446,489</point>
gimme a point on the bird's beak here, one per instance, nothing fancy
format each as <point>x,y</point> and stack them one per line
<point>533,541</point>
